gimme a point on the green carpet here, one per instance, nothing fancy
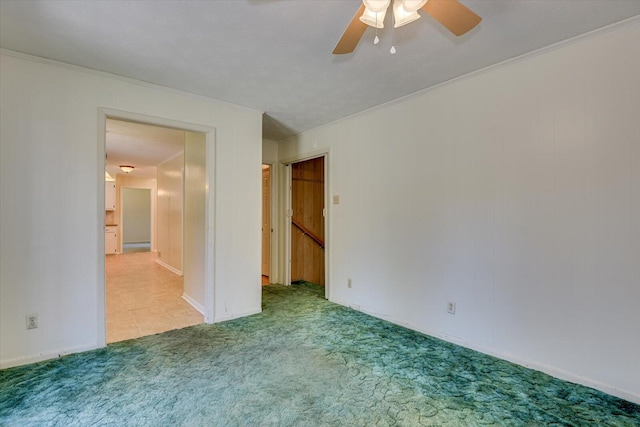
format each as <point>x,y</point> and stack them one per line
<point>302,362</point>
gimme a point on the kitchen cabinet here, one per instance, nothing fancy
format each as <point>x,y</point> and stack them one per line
<point>110,239</point>
<point>110,195</point>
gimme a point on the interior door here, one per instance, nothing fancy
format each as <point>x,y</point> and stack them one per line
<point>307,221</point>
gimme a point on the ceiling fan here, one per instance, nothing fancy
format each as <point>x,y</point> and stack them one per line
<point>455,16</point>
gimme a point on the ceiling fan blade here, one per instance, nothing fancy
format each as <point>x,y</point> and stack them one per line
<point>452,14</point>
<point>352,34</point>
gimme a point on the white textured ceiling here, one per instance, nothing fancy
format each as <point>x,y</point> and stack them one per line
<point>275,55</point>
<point>140,145</point>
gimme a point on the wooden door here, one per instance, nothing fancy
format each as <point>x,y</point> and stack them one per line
<point>307,222</point>
<point>266,219</point>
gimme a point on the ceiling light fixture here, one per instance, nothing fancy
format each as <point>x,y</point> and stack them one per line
<point>452,14</point>
<point>404,12</point>
<point>126,168</point>
<point>374,12</point>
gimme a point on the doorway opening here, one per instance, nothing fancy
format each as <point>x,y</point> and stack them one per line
<point>155,281</point>
<point>136,220</point>
<point>307,229</point>
<point>266,224</point>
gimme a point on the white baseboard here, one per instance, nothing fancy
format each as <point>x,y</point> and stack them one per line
<point>231,316</point>
<point>193,303</point>
<point>26,360</point>
<point>550,370</point>
<point>168,267</point>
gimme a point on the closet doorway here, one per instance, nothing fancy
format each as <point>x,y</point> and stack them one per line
<point>308,221</point>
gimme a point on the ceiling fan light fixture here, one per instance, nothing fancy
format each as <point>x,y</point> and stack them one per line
<point>413,5</point>
<point>373,19</point>
<point>376,5</point>
<point>127,168</point>
<point>452,14</point>
<point>401,16</point>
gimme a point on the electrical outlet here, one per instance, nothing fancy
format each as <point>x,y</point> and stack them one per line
<point>32,320</point>
<point>451,307</point>
<point>349,283</point>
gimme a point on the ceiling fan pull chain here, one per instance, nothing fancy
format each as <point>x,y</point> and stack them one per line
<point>376,40</point>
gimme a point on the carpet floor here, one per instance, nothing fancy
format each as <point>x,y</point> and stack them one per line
<point>303,361</point>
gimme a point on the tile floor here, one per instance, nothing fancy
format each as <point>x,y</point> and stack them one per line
<point>144,298</point>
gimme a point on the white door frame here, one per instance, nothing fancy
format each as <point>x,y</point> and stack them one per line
<point>287,225</point>
<point>274,273</point>
<point>209,277</point>
<point>288,214</point>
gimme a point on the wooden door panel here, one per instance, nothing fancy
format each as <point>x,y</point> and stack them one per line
<point>307,202</point>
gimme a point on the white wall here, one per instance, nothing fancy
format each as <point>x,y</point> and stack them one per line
<point>136,215</point>
<point>195,194</point>
<point>514,192</point>
<point>51,216</point>
<point>269,151</point>
<point>131,181</point>
<point>170,208</point>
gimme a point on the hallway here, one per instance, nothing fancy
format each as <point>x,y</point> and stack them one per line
<point>144,298</point>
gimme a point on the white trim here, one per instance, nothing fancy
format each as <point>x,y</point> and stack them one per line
<point>153,120</point>
<point>576,39</point>
<point>550,370</point>
<point>287,162</point>
<point>101,291</point>
<point>209,224</point>
<point>274,276</point>
<point>168,267</point>
<point>598,32</point>
<point>327,228</point>
<point>232,316</point>
<point>209,274</point>
<point>193,303</point>
<point>308,155</point>
<point>104,74</point>
<point>287,225</point>
<point>26,360</point>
